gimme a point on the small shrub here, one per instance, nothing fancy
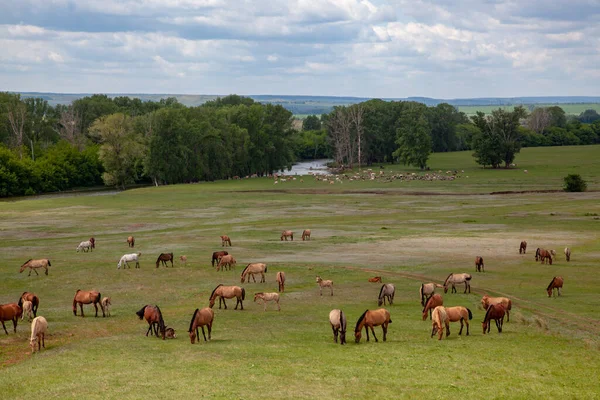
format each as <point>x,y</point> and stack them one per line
<point>574,183</point>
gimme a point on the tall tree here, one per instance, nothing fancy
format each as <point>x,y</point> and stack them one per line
<point>311,123</point>
<point>443,120</point>
<point>414,136</point>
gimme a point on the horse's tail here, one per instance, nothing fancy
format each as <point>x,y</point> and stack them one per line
<point>35,302</point>
<point>468,277</point>
<point>141,312</point>
<point>161,322</point>
<point>470,314</point>
<point>99,298</point>
<point>509,306</point>
<point>421,294</point>
<point>49,262</point>
<point>342,321</point>
<point>265,267</point>
<point>243,294</point>
<point>193,318</point>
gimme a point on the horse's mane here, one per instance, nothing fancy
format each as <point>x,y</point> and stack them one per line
<point>141,312</point>
<point>27,261</point>
<point>214,290</point>
<point>551,282</point>
<point>446,281</point>
<point>244,271</point>
<point>360,320</point>
<point>193,318</point>
<point>381,290</point>
<point>256,294</point>
<point>161,322</point>
<point>487,312</point>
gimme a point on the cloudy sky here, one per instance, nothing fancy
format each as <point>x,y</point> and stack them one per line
<point>368,48</point>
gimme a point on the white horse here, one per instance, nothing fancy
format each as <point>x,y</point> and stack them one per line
<point>337,319</point>
<point>39,326</point>
<point>85,246</point>
<point>129,257</point>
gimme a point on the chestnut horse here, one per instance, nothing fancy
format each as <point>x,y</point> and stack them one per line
<point>281,281</point>
<point>461,314</point>
<point>130,241</point>
<point>154,317</point>
<point>505,301</point>
<point>35,264</point>
<point>200,319</point>
<point>10,312</point>
<point>479,267</point>
<point>306,234</point>
<point>227,292</point>
<point>87,297</point>
<point>286,234</point>
<point>93,242</point>
<point>35,301</point>
<point>216,256</point>
<point>439,320</point>
<point>337,319</point>
<point>253,269</point>
<point>369,319</point>
<point>164,257</point>
<point>556,283</point>
<point>225,240</point>
<point>375,279</point>
<point>543,255</point>
<point>523,247</point>
<point>432,302</point>
<point>494,312</point>
<point>226,261</point>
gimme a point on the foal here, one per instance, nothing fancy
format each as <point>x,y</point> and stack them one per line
<point>323,284</point>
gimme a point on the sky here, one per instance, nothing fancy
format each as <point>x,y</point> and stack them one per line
<point>365,48</point>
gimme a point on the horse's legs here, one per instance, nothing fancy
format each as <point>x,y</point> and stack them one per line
<point>331,290</point>
<point>203,334</point>
<point>209,329</point>
<point>46,268</point>
<point>384,327</point>
<point>149,329</point>
<point>432,331</point>
<point>467,322</point>
<point>263,277</point>
<point>137,264</point>
<point>253,277</point>
<point>96,307</point>
<point>224,303</point>
<point>447,328</point>
<point>278,306</point>
<point>81,306</point>
<point>558,289</point>
<point>507,316</point>
<point>335,333</point>
<point>373,332</point>
<point>321,290</point>
<point>43,341</point>
<point>241,304</point>
<point>367,330</point>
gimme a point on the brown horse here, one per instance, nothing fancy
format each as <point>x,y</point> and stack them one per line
<point>281,281</point>
<point>35,264</point>
<point>93,242</point>
<point>369,319</point>
<point>461,314</point>
<point>35,301</point>
<point>225,240</point>
<point>494,312</point>
<point>543,255</point>
<point>556,283</point>
<point>439,320</point>
<point>523,247</point>
<point>227,292</point>
<point>286,234</point>
<point>432,302</point>
<point>130,241</point>
<point>253,269</point>
<point>505,301</point>
<point>216,256</point>
<point>10,312</point>
<point>375,279</point>
<point>200,319</point>
<point>479,267</point>
<point>226,261</point>
<point>87,297</point>
<point>306,234</point>
<point>154,317</point>
<point>164,257</point>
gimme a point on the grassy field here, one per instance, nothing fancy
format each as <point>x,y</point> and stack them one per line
<point>573,109</point>
<point>359,229</point>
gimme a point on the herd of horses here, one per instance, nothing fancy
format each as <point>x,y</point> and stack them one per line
<point>496,308</point>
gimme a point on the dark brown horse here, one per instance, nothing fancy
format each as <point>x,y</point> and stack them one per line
<point>10,312</point>
<point>433,301</point>
<point>199,319</point>
<point>154,317</point>
<point>87,297</point>
<point>543,255</point>
<point>523,247</point>
<point>35,301</point>
<point>556,283</point>
<point>479,267</point>
<point>164,257</point>
<point>494,312</point>
<point>217,256</point>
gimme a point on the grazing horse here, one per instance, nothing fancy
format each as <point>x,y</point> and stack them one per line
<point>130,241</point>
<point>106,303</point>
<point>286,234</point>
<point>85,246</point>
<point>267,297</point>
<point>227,292</point>
<point>439,320</point>
<point>216,256</point>
<point>93,242</point>
<point>183,259</point>
<point>568,253</point>
<point>10,312</point>
<point>164,257</point>
<point>433,301</point>
<point>461,314</point>
<point>486,301</point>
<point>337,319</point>
<point>27,306</point>
<point>479,267</point>
<point>427,290</point>
<point>454,279</point>
<point>129,257</point>
<point>154,317</point>
<point>225,240</point>
<point>494,312</point>
<point>35,301</point>
<point>523,247</point>
<point>87,297</point>
<point>544,255</point>
<point>306,234</point>
<point>226,261</point>
<point>39,326</point>
<point>252,269</point>
<point>556,283</point>
<point>369,319</point>
<point>35,264</point>
<point>322,284</point>
<point>200,319</point>
<point>281,281</point>
<point>387,291</point>
<point>375,279</point>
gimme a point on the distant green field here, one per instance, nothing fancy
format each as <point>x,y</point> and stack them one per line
<point>572,109</point>
<point>406,232</point>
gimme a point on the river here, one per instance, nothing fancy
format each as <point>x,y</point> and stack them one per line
<point>310,167</point>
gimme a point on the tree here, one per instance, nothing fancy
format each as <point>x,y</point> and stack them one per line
<point>589,116</point>
<point>356,113</point>
<point>443,120</point>
<point>69,126</point>
<point>464,135</point>
<point>311,123</point>
<point>574,183</point>
<point>414,136</point>
<point>559,117</point>
<point>539,120</point>
<point>16,113</point>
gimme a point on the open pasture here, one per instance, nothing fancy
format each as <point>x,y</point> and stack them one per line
<point>550,347</point>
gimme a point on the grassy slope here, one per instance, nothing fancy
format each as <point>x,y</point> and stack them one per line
<point>550,347</point>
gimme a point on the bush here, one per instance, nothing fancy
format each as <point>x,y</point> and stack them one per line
<point>574,183</point>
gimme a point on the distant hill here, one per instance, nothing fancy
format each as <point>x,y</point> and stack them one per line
<point>303,105</point>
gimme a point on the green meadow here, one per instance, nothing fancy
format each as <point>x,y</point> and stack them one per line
<point>407,232</point>
<point>572,109</point>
